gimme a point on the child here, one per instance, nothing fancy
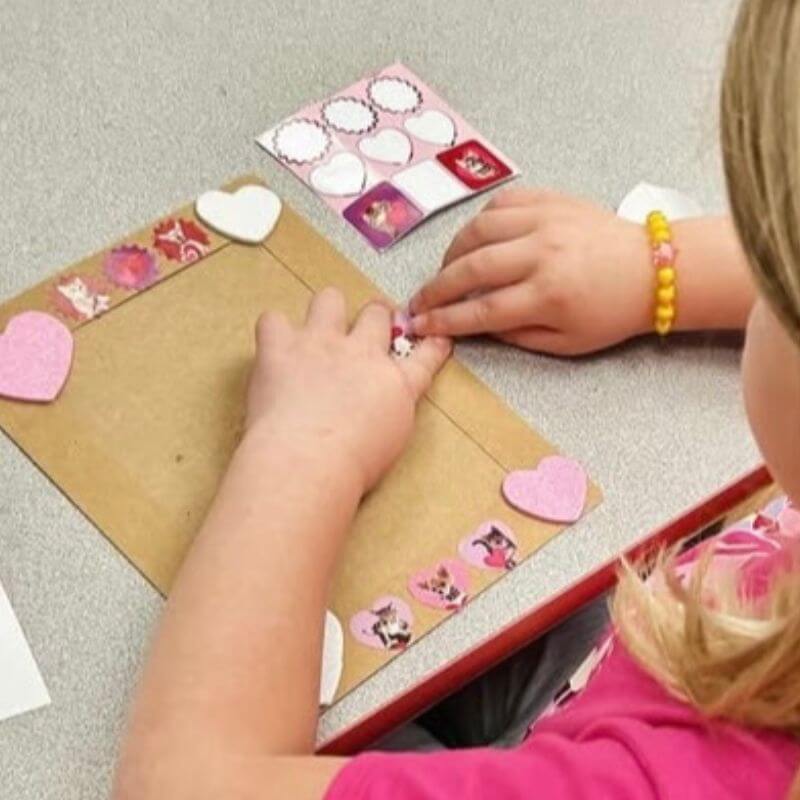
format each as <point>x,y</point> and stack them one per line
<point>696,694</point>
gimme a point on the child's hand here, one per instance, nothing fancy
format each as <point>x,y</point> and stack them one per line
<point>335,394</point>
<point>542,271</point>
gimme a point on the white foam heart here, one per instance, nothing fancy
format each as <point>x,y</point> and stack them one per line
<point>644,197</point>
<point>433,127</point>
<point>247,215</point>
<point>390,146</point>
<point>332,659</point>
<point>343,176</point>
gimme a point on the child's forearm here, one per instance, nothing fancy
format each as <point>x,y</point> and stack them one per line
<point>716,290</point>
<point>235,665</point>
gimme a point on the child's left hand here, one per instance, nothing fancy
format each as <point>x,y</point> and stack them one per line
<point>336,393</point>
<point>543,271</point>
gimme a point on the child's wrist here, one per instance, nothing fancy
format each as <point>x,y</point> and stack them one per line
<point>638,274</point>
<point>716,288</point>
<point>291,452</point>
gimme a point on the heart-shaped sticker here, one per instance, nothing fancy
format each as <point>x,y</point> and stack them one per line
<point>332,659</point>
<point>343,176</point>
<point>35,357</point>
<point>385,625</point>
<point>389,146</point>
<point>433,127</point>
<point>492,545</point>
<point>555,491</point>
<point>445,585</point>
<point>247,215</point>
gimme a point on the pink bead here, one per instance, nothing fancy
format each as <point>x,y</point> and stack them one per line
<point>664,254</point>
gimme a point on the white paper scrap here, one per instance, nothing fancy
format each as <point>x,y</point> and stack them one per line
<point>646,197</point>
<point>21,686</point>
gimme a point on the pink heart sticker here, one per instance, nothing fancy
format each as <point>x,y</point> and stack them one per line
<point>491,546</point>
<point>444,585</point>
<point>555,491</point>
<point>385,625</point>
<point>35,357</point>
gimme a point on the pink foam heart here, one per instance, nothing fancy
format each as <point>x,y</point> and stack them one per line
<point>385,625</point>
<point>555,491</point>
<point>445,585</point>
<point>35,357</point>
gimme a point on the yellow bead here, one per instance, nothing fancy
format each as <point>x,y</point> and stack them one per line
<point>663,327</point>
<point>666,276</point>
<point>660,235</point>
<point>666,294</point>
<point>665,313</point>
<point>660,227</point>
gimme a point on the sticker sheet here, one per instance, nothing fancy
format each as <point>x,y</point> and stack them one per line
<point>386,153</point>
<point>21,686</point>
<point>151,411</point>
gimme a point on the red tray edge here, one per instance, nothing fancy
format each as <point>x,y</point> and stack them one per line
<point>481,657</point>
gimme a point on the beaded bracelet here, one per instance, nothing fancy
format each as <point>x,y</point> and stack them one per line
<point>660,235</point>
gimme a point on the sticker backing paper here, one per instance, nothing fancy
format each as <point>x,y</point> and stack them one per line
<point>389,134</point>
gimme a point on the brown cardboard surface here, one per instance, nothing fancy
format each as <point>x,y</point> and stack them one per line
<point>151,412</point>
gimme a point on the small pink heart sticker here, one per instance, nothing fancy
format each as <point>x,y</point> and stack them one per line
<point>444,586</point>
<point>555,491</point>
<point>385,625</point>
<point>35,357</point>
<point>492,545</point>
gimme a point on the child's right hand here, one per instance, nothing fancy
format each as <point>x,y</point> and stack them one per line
<point>335,393</point>
<point>545,272</point>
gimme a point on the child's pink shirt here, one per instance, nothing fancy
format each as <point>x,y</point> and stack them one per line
<point>623,738</point>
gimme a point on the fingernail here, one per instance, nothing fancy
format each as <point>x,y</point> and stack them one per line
<point>402,322</point>
<point>418,324</point>
<point>413,304</point>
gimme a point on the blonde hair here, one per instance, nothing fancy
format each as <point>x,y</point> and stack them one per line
<point>730,657</point>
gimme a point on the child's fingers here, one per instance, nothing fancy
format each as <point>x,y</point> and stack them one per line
<point>539,339</point>
<point>520,196</point>
<point>373,326</point>
<point>273,329</point>
<point>501,310</point>
<point>327,311</point>
<point>488,268</point>
<point>421,366</point>
<point>490,227</point>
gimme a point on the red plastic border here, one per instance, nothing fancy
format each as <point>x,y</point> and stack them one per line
<point>517,634</point>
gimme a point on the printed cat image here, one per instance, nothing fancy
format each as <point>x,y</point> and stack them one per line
<point>500,550</point>
<point>443,584</point>
<point>393,631</point>
<point>378,216</point>
<point>86,303</point>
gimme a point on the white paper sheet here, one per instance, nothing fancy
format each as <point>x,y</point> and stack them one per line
<point>332,659</point>
<point>21,686</point>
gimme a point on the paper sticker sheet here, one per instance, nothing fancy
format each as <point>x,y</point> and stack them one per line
<point>386,153</point>
<point>21,686</point>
